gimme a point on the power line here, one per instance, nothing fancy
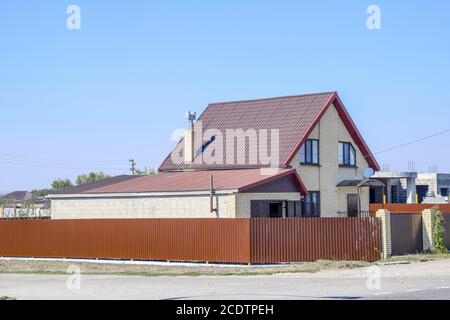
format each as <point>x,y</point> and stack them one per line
<point>63,164</point>
<point>414,141</point>
<point>18,157</point>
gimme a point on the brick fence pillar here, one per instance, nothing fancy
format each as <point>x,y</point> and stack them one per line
<point>385,217</point>
<point>428,217</point>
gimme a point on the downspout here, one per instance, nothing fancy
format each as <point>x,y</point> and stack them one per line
<point>211,195</point>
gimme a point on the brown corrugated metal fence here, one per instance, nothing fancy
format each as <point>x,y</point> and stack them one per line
<point>311,239</point>
<point>148,239</point>
<point>446,217</point>
<point>406,233</point>
<point>213,240</point>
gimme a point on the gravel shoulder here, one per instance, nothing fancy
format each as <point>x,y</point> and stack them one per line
<point>36,266</point>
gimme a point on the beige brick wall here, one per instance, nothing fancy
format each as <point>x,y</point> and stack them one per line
<point>243,201</point>
<point>386,239</point>
<point>143,207</point>
<point>330,131</point>
<point>428,218</point>
<point>343,192</point>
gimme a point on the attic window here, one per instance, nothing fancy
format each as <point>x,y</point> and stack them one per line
<point>309,152</point>
<point>347,154</point>
<point>206,145</point>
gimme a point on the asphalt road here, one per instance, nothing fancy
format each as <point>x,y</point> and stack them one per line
<point>428,280</point>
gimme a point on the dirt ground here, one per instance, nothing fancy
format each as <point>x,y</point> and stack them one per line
<point>20,266</point>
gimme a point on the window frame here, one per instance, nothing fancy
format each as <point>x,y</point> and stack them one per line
<point>304,211</point>
<point>347,148</point>
<point>307,149</point>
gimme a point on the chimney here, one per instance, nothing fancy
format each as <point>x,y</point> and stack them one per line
<point>189,152</point>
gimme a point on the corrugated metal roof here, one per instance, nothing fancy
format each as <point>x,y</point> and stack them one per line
<point>18,195</point>
<point>294,116</point>
<point>184,182</point>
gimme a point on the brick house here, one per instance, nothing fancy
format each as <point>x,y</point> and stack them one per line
<point>296,156</point>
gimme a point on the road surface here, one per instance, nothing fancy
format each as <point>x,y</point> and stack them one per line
<point>427,280</point>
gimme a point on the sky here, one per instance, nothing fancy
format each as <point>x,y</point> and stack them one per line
<point>73,101</point>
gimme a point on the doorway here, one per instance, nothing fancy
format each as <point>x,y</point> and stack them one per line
<point>352,205</point>
<point>276,209</point>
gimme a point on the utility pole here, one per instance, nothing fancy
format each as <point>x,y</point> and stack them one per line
<point>133,167</point>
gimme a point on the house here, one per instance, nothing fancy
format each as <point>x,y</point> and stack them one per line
<point>18,196</point>
<point>412,187</point>
<point>294,156</point>
<point>436,183</point>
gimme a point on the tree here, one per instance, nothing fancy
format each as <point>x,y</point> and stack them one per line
<point>40,193</point>
<point>438,234</point>
<point>91,177</point>
<point>145,172</point>
<point>60,184</point>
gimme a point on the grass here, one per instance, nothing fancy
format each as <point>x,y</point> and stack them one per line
<point>89,268</point>
<point>3,298</point>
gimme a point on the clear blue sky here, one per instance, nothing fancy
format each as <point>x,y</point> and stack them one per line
<point>79,100</point>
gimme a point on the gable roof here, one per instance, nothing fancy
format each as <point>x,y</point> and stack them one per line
<point>238,180</point>
<point>18,196</point>
<point>294,116</point>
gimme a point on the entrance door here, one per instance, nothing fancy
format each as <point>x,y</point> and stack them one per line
<point>352,205</point>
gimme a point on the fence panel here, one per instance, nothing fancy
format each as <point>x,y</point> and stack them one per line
<point>311,239</point>
<point>406,233</point>
<point>214,240</point>
<point>447,229</point>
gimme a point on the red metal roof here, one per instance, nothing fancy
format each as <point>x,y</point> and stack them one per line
<point>295,117</point>
<point>239,180</point>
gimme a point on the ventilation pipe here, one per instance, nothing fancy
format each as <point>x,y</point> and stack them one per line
<point>189,153</point>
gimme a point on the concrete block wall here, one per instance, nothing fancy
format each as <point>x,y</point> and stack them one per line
<point>143,207</point>
<point>324,178</point>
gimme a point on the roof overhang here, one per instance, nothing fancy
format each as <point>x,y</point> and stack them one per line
<point>360,183</point>
<point>140,194</point>
<point>395,175</point>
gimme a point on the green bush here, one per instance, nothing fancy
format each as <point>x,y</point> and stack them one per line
<point>438,234</point>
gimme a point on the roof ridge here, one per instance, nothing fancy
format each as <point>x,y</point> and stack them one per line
<point>275,98</point>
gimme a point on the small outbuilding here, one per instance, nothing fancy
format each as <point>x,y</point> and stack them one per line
<point>197,194</point>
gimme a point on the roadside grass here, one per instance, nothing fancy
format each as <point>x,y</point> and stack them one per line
<point>4,298</point>
<point>13,266</point>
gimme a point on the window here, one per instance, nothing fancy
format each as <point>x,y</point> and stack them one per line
<point>347,154</point>
<point>311,205</point>
<point>444,192</point>
<point>309,152</point>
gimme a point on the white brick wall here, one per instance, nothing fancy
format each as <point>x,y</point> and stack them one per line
<point>330,131</point>
<point>143,207</point>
